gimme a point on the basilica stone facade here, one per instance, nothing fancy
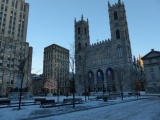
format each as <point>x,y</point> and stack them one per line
<point>104,66</point>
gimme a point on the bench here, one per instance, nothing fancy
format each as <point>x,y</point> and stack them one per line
<point>70,100</point>
<point>38,100</point>
<point>47,102</point>
<point>134,93</point>
<point>5,102</point>
<point>105,98</point>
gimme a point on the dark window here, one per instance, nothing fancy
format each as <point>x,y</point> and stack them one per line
<point>11,81</point>
<point>120,52</point>
<point>79,30</point>
<point>150,61</point>
<point>115,15</point>
<point>86,44</point>
<point>79,46</point>
<point>117,34</point>
<point>16,4</point>
<point>12,3</point>
<point>6,1</point>
<point>85,31</point>
<point>152,75</point>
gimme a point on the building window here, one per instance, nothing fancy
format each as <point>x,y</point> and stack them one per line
<point>12,3</point>
<point>117,34</point>
<point>85,31</point>
<point>152,76</point>
<point>150,61</point>
<point>151,69</point>
<point>1,78</point>
<point>79,46</point>
<point>154,84</point>
<point>16,4</point>
<point>6,1</point>
<point>115,15</point>
<point>79,30</point>
<point>119,51</point>
<point>86,44</point>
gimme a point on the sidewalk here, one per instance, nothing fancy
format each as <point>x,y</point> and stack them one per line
<point>35,112</point>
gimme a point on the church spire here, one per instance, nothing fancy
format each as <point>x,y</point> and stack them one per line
<point>82,17</point>
<point>108,3</point>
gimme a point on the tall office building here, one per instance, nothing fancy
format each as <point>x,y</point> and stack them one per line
<point>56,66</point>
<point>13,46</point>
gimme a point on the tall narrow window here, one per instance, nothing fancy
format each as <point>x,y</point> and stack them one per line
<point>120,52</point>
<point>85,31</point>
<point>86,44</point>
<point>115,15</point>
<point>79,30</point>
<point>79,46</point>
<point>117,34</point>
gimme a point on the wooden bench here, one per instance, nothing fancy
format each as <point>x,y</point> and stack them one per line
<point>70,100</point>
<point>105,98</point>
<point>38,100</point>
<point>47,102</point>
<point>5,102</point>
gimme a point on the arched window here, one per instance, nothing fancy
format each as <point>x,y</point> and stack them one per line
<point>117,34</point>
<point>86,44</point>
<point>115,15</point>
<point>85,30</point>
<point>120,52</point>
<point>80,60</point>
<point>79,30</point>
<point>79,46</point>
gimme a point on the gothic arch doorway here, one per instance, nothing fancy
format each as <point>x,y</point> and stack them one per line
<point>100,80</point>
<point>90,81</point>
<point>111,86</point>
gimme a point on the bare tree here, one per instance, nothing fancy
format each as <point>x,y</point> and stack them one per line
<point>120,71</point>
<point>50,84</point>
<point>20,54</point>
<point>83,67</point>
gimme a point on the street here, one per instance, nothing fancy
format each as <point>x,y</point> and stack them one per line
<point>145,109</point>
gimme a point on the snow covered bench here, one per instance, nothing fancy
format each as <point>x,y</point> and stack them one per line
<point>47,102</point>
<point>5,102</point>
<point>70,100</point>
<point>105,98</point>
<point>38,100</point>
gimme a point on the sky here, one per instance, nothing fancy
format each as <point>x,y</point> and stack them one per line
<point>52,22</point>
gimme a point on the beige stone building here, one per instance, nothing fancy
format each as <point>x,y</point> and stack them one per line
<point>13,45</point>
<point>152,71</point>
<point>56,66</point>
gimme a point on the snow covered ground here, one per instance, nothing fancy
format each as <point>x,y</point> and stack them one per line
<point>131,108</point>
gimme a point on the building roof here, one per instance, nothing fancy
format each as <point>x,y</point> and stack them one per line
<point>151,54</point>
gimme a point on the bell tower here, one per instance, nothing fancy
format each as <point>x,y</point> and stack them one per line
<point>82,39</point>
<point>119,30</point>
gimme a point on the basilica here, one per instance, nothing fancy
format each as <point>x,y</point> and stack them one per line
<point>104,66</point>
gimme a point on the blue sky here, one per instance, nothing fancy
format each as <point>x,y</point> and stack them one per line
<point>52,21</point>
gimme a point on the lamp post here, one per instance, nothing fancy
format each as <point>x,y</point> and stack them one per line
<point>73,90</point>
